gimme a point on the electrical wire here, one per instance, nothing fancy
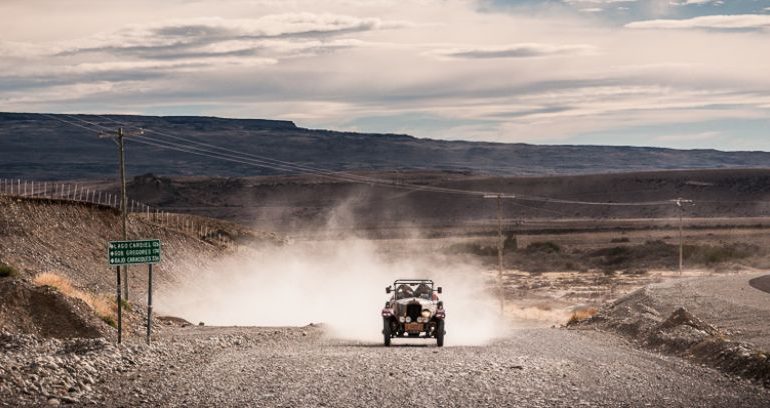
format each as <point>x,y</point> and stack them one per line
<point>238,158</point>
<point>221,153</point>
<point>300,167</point>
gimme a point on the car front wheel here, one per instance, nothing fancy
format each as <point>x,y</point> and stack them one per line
<point>386,333</point>
<point>440,333</point>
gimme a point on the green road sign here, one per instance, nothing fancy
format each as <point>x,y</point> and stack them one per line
<point>134,252</point>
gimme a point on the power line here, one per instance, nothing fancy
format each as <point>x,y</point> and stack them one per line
<point>245,158</point>
<point>373,180</point>
<point>260,161</point>
<point>238,158</point>
<point>594,203</point>
<point>297,166</point>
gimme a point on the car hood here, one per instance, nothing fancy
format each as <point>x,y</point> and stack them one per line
<point>425,303</point>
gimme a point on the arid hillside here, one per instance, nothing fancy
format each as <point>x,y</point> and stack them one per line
<point>70,239</point>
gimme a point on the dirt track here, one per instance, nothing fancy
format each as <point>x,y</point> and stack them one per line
<point>531,367</point>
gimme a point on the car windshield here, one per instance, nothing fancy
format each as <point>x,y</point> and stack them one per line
<point>414,289</point>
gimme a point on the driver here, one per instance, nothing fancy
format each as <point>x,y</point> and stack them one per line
<point>404,291</point>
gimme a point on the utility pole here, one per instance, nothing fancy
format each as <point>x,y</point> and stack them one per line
<point>118,136</point>
<point>500,246</point>
<point>680,203</point>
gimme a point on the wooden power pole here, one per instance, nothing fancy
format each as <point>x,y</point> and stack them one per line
<point>119,136</point>
<point>500,246</point>
<point>680,203</point>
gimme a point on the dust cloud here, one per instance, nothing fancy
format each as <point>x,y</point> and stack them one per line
<point>339,283</point>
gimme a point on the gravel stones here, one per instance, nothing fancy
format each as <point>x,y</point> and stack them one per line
<point>299,367</point>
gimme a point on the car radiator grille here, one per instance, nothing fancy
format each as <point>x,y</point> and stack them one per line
<point>413,310</point>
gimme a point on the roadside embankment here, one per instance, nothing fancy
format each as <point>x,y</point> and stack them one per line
<point>720,321</point>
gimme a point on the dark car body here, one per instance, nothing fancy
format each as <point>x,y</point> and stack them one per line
<point>413,310</point>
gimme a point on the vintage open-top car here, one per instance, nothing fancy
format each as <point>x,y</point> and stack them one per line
<point>413,310</point>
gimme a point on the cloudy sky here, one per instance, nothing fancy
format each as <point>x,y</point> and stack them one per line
<point>675,73</point>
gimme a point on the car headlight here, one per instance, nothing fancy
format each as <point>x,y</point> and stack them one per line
<point>401,319</point>
<point>426,313</point>
<point>408,319</point>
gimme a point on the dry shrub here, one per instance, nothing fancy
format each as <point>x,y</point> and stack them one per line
<point>582,314</point>
<point>98,303</point>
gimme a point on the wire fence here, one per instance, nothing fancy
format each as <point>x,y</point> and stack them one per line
<point>78,193</point>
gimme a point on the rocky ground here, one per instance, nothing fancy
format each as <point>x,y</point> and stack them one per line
<point>720,321</point>
<point>291,367</point>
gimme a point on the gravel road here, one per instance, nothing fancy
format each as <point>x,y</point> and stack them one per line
<point>294,367</point>
<point>301,366</point>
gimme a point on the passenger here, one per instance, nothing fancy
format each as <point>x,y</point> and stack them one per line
<point>424,291</point>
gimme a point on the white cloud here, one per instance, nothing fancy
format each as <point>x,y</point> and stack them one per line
<point>335,63</point>
<point>591,10</point>
<point>524,50</point>
<point>176,65</point>
<point>691,2</point>
<point>582,2</point>
<point>171,35</point>
<point>687,137</point>
<point>743,21</point>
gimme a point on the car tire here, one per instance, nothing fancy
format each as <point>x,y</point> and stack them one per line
<point>386,333</point>
<point>440,334</point>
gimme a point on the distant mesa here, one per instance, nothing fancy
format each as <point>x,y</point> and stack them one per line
<point>44,147</point>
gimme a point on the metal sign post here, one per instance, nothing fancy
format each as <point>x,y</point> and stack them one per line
<point>120,316</point>
<point>149,302</point>
<point>122,253</point>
